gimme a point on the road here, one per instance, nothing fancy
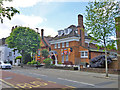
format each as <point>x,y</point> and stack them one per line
<point>63,78</point>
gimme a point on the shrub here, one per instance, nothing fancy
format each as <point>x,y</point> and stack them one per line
<point>47,62</point>
<point>33,62</point>
<point>18,57</point>
<point>59,63</point>
<point>29,63</point>
<point>45,53</point>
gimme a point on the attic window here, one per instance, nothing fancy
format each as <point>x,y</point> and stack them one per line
<point>59,33</point>
<point>66,31</point>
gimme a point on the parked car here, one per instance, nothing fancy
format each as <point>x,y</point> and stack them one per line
<point>5,65</point>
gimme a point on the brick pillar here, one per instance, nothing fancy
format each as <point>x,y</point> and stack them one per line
<point>117,20</point>
<point>80,30</point>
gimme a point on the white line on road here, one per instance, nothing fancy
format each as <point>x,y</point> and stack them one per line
<point>40,75</point>
<point>76,81</point>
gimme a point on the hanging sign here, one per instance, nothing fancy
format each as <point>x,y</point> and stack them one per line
<point>69,50</point>
<point>65,51</point>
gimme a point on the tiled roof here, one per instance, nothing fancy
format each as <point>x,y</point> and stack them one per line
<point>71,34</point>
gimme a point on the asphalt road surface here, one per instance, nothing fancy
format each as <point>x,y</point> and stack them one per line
<point>28,77</point>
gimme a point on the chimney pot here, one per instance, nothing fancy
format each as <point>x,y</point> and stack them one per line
<point>42,33</point>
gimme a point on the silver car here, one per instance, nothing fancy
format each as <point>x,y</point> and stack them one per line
<point>5,65</point>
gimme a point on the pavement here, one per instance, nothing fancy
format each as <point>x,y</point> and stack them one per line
<point>96,75</point>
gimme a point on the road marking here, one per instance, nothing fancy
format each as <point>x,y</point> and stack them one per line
<point>76,81</point>
<point>70,86</point>
<point>34,84</point>
<point>39,74</point>
<point>9,83</point>
<point>51,81</point>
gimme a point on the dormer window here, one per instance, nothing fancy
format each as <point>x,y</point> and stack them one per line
<point>60,32</point>
<point>66,31</point>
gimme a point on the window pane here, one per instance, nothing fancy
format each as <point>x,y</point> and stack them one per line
<point>82,53</point>
<point>66,31</point>
<point>67,44</point>
<point>59,45</point>
<point>86,53</point>
<point>62,44</point>
<point>55,46</point>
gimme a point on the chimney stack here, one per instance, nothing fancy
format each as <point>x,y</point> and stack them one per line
<point>81,30</point>
<point>42,33</point>
<point>80,20</point>
<point>12,29</point>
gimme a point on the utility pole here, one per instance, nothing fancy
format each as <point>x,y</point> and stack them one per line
<point>37,47</point>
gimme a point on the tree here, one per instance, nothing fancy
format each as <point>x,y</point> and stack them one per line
<point>100,23</point>
<point>45,53</point>
<point>25,40</point>
<point>8,12</point>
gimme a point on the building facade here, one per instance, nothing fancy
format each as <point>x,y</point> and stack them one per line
<point>73,44</point>
<point>7,54</point>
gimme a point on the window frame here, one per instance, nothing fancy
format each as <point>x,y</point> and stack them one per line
<point>55,46</point>
<point>67,44</point>
<point>58,45</point>
<point>83,54</point>
<point>63,45</point>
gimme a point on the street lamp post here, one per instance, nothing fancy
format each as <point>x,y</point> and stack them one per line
<point>37,46</point>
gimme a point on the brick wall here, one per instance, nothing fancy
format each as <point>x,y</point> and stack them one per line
<point>95,54</point>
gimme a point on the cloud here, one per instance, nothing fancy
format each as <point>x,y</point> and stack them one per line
<point>27,21</point>
<point>21,3</point>
<point>48,31</point>
<point>21,20</point>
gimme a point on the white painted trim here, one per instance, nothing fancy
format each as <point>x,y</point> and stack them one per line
<point>64,40</point>
<point>88,41</point>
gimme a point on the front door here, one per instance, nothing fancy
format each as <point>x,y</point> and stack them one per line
<point>67,57</point>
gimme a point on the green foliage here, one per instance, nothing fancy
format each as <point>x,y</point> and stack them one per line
<point>8,12</point>
<point>28,63</point>
<point>24,39</point>
<point>100,23</point>
<point>47,62</point>
<point>33,62</point>
<point>45,53</point>
<point>18,57</point>
<point>59,63</point>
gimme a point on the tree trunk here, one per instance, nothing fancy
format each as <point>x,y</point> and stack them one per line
<point>106,64</point>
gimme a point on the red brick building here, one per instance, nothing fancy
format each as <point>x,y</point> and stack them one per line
<point>44,43</point>
<point>73,44</point>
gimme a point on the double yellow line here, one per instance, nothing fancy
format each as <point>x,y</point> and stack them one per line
<point>8,83</point>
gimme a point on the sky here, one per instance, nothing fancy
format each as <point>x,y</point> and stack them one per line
<point>50,15</point>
